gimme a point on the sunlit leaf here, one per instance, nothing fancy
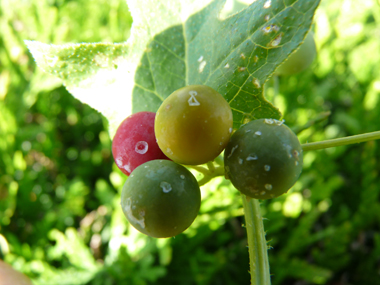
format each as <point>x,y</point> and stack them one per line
<point>179,43</point>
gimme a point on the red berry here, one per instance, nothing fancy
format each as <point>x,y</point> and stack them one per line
<point>135,142</point>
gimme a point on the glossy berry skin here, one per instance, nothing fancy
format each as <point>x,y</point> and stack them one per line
<point>300,59</point>
<point>135,143</point>
<point>193,125</point>
<point>263,159</point>
<point>161,198</point>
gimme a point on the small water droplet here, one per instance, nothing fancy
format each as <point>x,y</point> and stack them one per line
<point>192,100</point>
<point>169,151</point>
<point>269,121</point>
<point>279,123</point>
<point>227,65</point>
<point>251,157</point>
<point>242,55</point>
<point>202,65</point>
<point>241,161</point>
<point>232,150</point>
<point>119,162</point>
<point>262,193</point>
<point>166,187</point>
<point>127,167</point>
<point>276,41</point>
<point>128,211</point>
<point>230,130</point>
<point>182,176</point>
<point>267,17</point>
<point>267,4</point>
<point>200,58</point>
<point>241,69</point>
<point>141,147</point>
<point>267,167</point>
<point>270,28</point>
<point>268,186</point>
<point>258,133</point>
<point>256,82</point>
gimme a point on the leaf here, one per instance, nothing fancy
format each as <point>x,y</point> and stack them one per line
<point>179,43</point>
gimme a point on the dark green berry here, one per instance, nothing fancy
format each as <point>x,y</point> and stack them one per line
<point>263,159</point>
<point>161,198</point>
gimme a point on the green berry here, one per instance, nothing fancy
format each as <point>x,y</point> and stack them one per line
<point>300,59</point>
<point>161,198</point>
<point>263,159</point>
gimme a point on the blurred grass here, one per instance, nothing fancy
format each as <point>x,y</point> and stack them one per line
<point>60,220</point>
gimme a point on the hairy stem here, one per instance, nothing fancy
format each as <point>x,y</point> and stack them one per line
<point>342,141</point>
<point>257,245</point>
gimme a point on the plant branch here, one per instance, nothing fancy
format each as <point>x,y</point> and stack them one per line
<point>218,171</point>
<point>257,245</point>
<point>342,141</point>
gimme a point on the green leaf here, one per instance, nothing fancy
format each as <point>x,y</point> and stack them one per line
<point>179,43</point>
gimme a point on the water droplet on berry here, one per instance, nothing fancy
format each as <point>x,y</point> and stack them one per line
<point>258,133</point>
<point>268,186</point>
<point>141,147</point>
<point>267,167</point>
<point>119,162</point>
<point>133,219</point>
<point>166,187</point>
<point>127,167</point>
<point>192,100</point>
<point>251,157</point>
<point>269,121</point>
<point>232,150</point>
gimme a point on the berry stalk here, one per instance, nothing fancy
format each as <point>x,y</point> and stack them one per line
<point>342,141</point>
<point>257,245</point>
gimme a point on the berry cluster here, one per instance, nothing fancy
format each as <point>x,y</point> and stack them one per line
<point>161,198</point>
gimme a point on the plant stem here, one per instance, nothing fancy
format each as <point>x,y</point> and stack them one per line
<point>211,166</point>
<point>200,169</point>
<point>257,245</point>
<point>218,171</point>
<point>342,141</point>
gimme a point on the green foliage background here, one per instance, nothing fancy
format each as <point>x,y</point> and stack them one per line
<point>60,219</point>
